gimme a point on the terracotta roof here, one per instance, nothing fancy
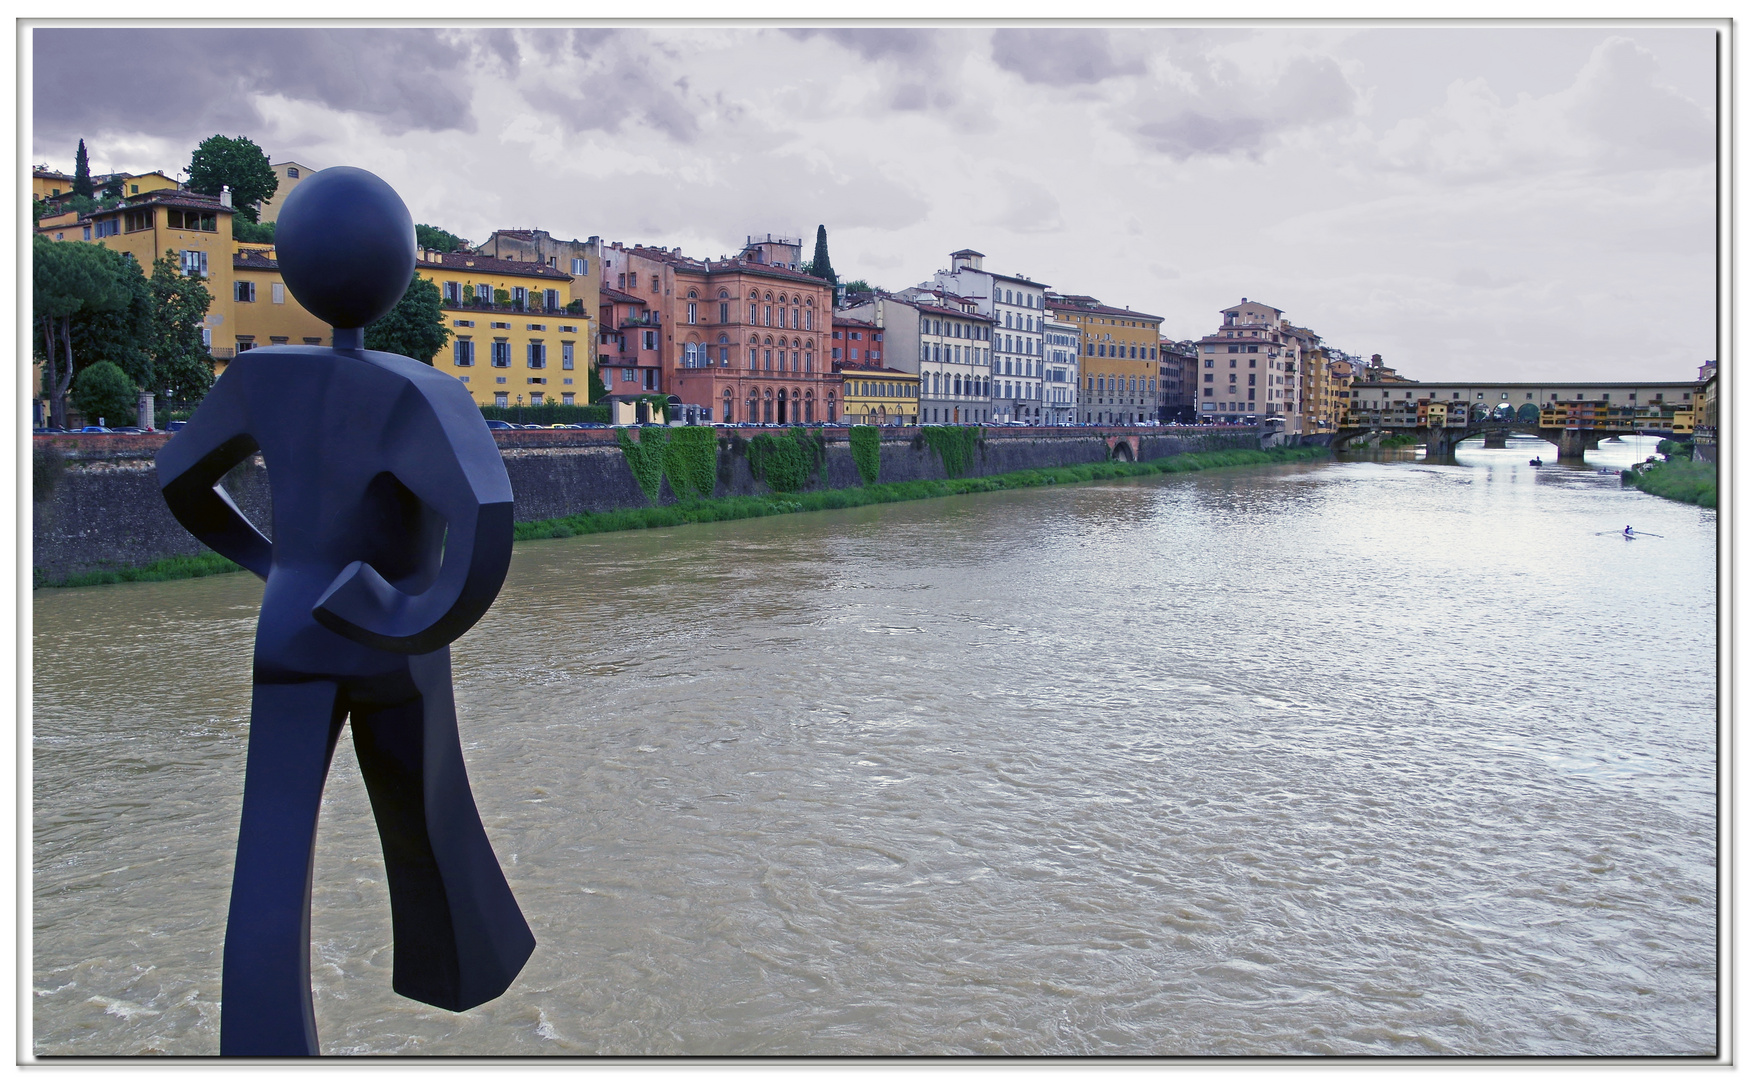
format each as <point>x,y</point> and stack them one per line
<point>869,367</point>
<point>621,298</point>
<point>177,197</point>
<point>253,259</point>
<point>850,320</point>
<point>1089,305</point>
<point>460,262</point>
<point>1011,277</point>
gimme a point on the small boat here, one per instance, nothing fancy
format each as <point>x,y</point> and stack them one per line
<point>1536,461</point>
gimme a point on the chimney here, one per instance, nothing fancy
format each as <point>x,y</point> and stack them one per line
<point>225,195</point>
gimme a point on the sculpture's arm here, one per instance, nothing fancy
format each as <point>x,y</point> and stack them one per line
<point>190,467</point>
<point>457,472</point>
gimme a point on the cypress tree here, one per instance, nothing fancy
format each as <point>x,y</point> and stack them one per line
<point>82,173</point>
<point>822,264</point>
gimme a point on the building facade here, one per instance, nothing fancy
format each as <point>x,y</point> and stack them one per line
<point>1015,305</point>
<point>1120,360</point>
<point>741,340</point>
<point>874,394</point>
<point>1062,371</point>
<point>1250,368</point>
<point>516,340</point>
<point>941,338</point>
<point>290,174</point>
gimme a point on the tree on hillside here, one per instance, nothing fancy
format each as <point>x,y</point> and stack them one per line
<point>415,327</point>
<point>858,286</point>
<point>82,172</point>
<point>238,164</point>
<point>430,236</point>
<point>821,264</point>
<point>68,279</point>
<point>182,366</point>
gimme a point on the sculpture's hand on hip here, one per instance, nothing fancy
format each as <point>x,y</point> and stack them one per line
<point>361,605</point>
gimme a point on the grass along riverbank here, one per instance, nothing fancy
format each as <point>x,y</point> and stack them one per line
<point>694,511</point>
<point>1678,479</point>
<point>747,506</point>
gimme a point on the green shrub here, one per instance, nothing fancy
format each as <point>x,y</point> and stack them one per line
<point>955,446</point>
<point>865,450</point>
<point>104,391</point>
<point>1679,479</point>
<point>1672,449</point>
<point>647,456</point>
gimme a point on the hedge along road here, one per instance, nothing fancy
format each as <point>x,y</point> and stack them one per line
<point>652,461</point>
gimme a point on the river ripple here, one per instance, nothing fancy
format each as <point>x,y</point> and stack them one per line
<point>1361,757</point>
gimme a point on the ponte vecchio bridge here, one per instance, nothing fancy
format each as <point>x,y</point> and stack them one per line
<point>1576,416</point>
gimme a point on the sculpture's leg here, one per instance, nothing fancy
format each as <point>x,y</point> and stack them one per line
<point>459,937</point>
<point>267,1010</point>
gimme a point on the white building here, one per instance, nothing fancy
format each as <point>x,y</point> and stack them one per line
<point>945,341</point>
<point>1062,371</point>
<point>1016,306</point>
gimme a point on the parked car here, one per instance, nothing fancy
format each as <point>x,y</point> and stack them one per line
<point>93,429</point>
<point>176,425</point>
<point>500,425</point>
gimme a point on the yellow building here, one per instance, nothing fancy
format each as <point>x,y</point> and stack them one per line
<point>514,342</point>
<point>264,311</point>
<point>878,395</point>
<point>581,259</point>
<point>290,174</point>
<point>1120,359</point>
<point>196,227</point>
<point>46,183</point>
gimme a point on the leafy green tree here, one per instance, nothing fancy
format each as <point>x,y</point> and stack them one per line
<point>821,265</point>
<point>67,280</point>
<point>112,189</point>
<point>430,236</point>
<point>38,207</point>
<point>121,335</point>
<point>857,286</point>
<point>182,366</point>
<point>597,388</point>
<point>252,232</point>
<point>82,172</point>
<point>239,164</point>
<point>104,392</point>
<point>415,327</point>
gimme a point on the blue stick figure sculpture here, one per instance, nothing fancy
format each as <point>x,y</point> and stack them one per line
<point>391,536</point>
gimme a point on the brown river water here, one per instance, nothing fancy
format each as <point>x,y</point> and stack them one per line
<point>1359,757</point>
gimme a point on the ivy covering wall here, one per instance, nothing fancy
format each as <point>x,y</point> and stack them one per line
<point>692,462</point>
<point>786,463</point>
<point>865,449</point>
<point>955,446</point>
<point>647,455</point>
<point>687,456</point>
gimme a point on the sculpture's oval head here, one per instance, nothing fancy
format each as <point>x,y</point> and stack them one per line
<point>346,246</point>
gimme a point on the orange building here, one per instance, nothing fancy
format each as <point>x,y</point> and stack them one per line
<point>739,340</point>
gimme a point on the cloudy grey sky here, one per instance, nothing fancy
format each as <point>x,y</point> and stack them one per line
<point>1470,202</point>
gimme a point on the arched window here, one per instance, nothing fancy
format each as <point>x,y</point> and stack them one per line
<point>728,406</point>
<point>722,294</point>
<point>692,294</point>
<point>753,353</point>
<point>810,363</point>
<point>723,350</point>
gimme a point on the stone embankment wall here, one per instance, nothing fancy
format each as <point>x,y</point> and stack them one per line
<point>95,501</point>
